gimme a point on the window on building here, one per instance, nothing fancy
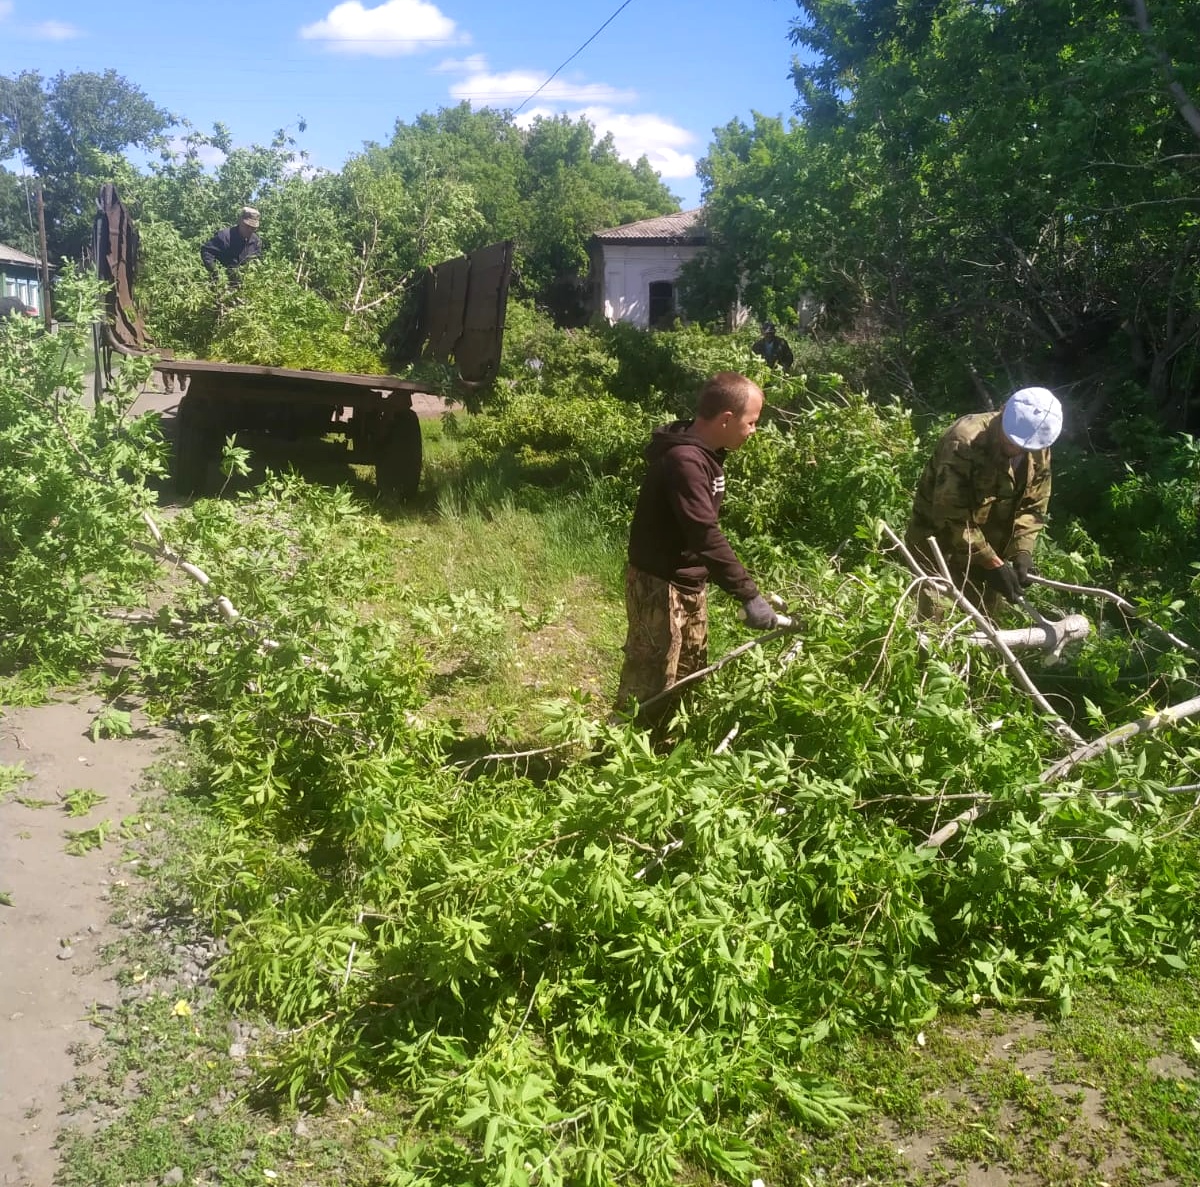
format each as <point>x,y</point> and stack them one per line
<point>662,304</point>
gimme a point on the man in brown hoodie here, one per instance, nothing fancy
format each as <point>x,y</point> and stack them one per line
<point>676,546</point>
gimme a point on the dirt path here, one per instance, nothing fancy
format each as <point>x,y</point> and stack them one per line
<point>51,936</point>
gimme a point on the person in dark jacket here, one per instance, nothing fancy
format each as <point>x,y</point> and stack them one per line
<point>233,247</point>
<point>772,349</point>
<point>676,546</point>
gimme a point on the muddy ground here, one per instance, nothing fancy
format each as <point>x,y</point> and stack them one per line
<point>52,978</point>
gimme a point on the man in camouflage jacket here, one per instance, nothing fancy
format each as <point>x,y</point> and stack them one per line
<point>984,496</point>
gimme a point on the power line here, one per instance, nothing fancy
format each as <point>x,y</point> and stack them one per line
<point>576,54</point>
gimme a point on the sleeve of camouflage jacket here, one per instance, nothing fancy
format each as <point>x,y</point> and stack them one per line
<point>1034,504</point>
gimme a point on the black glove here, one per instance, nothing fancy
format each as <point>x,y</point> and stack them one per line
<point>1004,581</point>
<point>758,615</point>
<point>1026,570</point>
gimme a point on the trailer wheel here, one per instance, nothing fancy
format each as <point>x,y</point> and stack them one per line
<point>398,468</point>
<point>195,447</point>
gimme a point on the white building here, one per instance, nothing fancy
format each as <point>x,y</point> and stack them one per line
<point>635,268</point>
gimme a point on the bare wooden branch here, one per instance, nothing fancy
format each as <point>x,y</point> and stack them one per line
<point>1121,735</point>
<point>516,755</point>
<point>1117,737</point>
<point>918,570</point>
<point>164,552</point>
<point>1014,665</point>
<point>924,799</point>
<point>1183,101</point>
<point>144,618</point>
<point>1070,629</point>
<point>1126,607</point>
<point>938,839</point>
<point>1060,727</point>
<point>661,856</point>
<point>728,657</point>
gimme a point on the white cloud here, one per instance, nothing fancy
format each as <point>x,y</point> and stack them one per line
<point>43,30</point>
<point>392,29</point>
<point>475,64</point>
<point>209,156</point>
<point>635,134</point>
<point>511,87</point>
<point>54,31</point>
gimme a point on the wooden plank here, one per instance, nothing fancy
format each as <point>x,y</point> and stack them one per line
<point>447,300</point>
<point>387,383</point>
<point>477,352</point>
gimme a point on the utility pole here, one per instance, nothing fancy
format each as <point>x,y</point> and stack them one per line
<point>45,259</point>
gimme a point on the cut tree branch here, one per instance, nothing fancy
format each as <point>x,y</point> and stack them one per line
<point>728,657</point>
<point>1060,727</point>
<point>1119,736</point>
<point>1127,608</point>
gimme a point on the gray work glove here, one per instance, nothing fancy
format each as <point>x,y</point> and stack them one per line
<point>758,615</point>
<point>1004,581</point>
<point>1025,569</point>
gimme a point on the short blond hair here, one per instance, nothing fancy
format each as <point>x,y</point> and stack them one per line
<point>726,391</point>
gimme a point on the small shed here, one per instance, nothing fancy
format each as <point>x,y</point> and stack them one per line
<point>20,276</point>
<point>635,268</point>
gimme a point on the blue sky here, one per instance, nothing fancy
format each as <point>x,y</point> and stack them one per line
<point>660,77</point>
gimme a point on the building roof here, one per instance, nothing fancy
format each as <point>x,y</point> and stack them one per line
<point>10,255</point>
<point>684,227</point>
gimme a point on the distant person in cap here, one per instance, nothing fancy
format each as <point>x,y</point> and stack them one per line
<point>773,349</point>
<point>233,247</point>
<point>984,496</point>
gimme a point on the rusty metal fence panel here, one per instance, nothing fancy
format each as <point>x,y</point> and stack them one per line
<point>463,311</point>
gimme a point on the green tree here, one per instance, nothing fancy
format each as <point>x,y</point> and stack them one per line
<point>68,130</point>
<point>1006,190</point>
<point>549,187</point>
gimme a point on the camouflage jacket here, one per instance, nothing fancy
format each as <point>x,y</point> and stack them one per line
<point>972,501</point>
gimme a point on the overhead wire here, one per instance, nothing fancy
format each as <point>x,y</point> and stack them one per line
<point>576,54</point>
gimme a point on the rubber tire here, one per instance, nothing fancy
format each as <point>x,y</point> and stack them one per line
<point>398,468</point>
<point>194,447</point>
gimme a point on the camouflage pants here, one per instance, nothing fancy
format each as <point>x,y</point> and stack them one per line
<point>667,640</point>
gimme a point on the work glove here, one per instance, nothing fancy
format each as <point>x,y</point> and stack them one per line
<point>758,615</point>
<point>1025,569</point>
<point>1004,581</point>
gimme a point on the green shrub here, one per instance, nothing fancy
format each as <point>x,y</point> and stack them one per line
<point>540,358</point>
<point>824,474</point>
<point>556,441</point>
<point>174,291</point>
<point>72,487</point>
<point>274,321</point>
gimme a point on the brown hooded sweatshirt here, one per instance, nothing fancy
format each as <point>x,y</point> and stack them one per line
<point>674,534</point>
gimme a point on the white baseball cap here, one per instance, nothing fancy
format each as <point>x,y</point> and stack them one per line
<point>1032,418</point>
